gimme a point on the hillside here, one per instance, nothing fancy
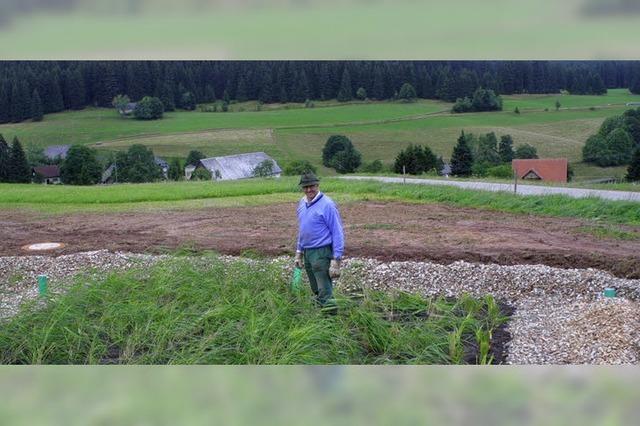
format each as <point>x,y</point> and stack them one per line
<point>378,129</point>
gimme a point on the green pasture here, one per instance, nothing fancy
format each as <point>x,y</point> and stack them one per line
<point>188,195</point>
<point>104,124</point>
<point>614,97</point>
<point>378,129</point>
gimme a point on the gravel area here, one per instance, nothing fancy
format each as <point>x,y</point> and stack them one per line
<point>561,316</point>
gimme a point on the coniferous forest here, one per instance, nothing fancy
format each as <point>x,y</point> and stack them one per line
<point>52,86</point>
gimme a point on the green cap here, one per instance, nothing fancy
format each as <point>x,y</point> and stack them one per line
<point>308,179</point>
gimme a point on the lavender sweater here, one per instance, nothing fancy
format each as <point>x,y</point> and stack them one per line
<point>320,225</point>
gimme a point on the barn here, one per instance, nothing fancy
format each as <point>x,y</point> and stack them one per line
<point>239,166</point>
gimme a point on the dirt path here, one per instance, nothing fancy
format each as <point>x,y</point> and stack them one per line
<point>386,231</point>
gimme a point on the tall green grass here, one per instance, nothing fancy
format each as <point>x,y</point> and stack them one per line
<point>205,311</point>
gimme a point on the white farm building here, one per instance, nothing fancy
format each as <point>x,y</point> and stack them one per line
<point>239,166</point>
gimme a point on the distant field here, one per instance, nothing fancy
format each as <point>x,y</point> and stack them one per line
<point>613,97</point>
<point>214,142</point>
<point>378,129</point>
<point>102,125</point>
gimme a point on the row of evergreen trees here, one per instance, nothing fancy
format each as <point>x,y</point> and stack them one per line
<point>14,167</point>
<point>62,85</point>
<point>478,156</point>
<point>471,156</point>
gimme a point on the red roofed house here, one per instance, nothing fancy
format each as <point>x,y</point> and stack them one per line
<point>549,169</point>
<point>49,174</point>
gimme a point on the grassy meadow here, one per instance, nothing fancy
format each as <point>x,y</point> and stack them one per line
<point>48,200</point>
<point>378,129</point>
<point>205,311</point>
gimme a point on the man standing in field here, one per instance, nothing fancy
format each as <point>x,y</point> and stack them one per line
<point>320,240</point>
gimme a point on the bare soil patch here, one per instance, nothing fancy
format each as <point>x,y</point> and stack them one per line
<point>385,231</point>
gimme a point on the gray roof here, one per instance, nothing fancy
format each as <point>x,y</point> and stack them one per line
<point>161,162</point>
<point>238,166</point>
<point>54,151</point>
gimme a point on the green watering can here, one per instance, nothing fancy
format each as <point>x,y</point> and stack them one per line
<point>296,280</point>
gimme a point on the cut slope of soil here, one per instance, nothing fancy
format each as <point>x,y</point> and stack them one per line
<point>386,231</point>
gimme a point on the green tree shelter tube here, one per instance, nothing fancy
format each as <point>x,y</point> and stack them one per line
<point>42,285</point>
<point>296,280</point>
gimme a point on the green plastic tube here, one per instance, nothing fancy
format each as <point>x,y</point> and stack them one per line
<point>42,284</point>
<point>296,280</point>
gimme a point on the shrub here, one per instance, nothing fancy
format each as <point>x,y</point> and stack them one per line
<point>480,169</point>
<point>462,105</point>
<point>501,171</point>
<point>334,144</point>
<point>346,161</point>
<point>488,149</point>
<point>298,167</point>
<point>375,166</point>
<point>80,166</point>
<point>149,108</point>
<point>483,100</point>
<point>632,126</point>
<point>416,160</point>
<point>194,156</point>
<point>407,93</point>
<point>610,124</point>
<point>517,111</point>
<point>137,165</point>
<point>592,148</point>
<point>264,169</point>
<point>525,151</point>
<point>613,150</point>
<point>361,93</point>
<point>201,173</point>
<point>176,171</point>
<point>486,100</point>
<point>188,101</point>
<point>620,146</point>
<point>120,102</point>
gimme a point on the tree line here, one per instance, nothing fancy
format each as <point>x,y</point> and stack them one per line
<point>29,89</point>
<point>616,141</point>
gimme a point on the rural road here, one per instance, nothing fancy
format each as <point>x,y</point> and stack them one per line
<point>522,189</point>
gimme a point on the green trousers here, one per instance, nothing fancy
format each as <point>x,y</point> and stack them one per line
<point>316,263</point>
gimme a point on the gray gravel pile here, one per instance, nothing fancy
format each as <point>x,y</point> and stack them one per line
<point>510,283</point>
<point>561,316</point>
<point>554,331</point>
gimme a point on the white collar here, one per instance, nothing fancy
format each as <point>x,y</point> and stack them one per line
<point>304,198</point>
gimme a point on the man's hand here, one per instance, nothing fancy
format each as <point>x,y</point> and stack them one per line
<point>334,269</point>
<point>298,262</point>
